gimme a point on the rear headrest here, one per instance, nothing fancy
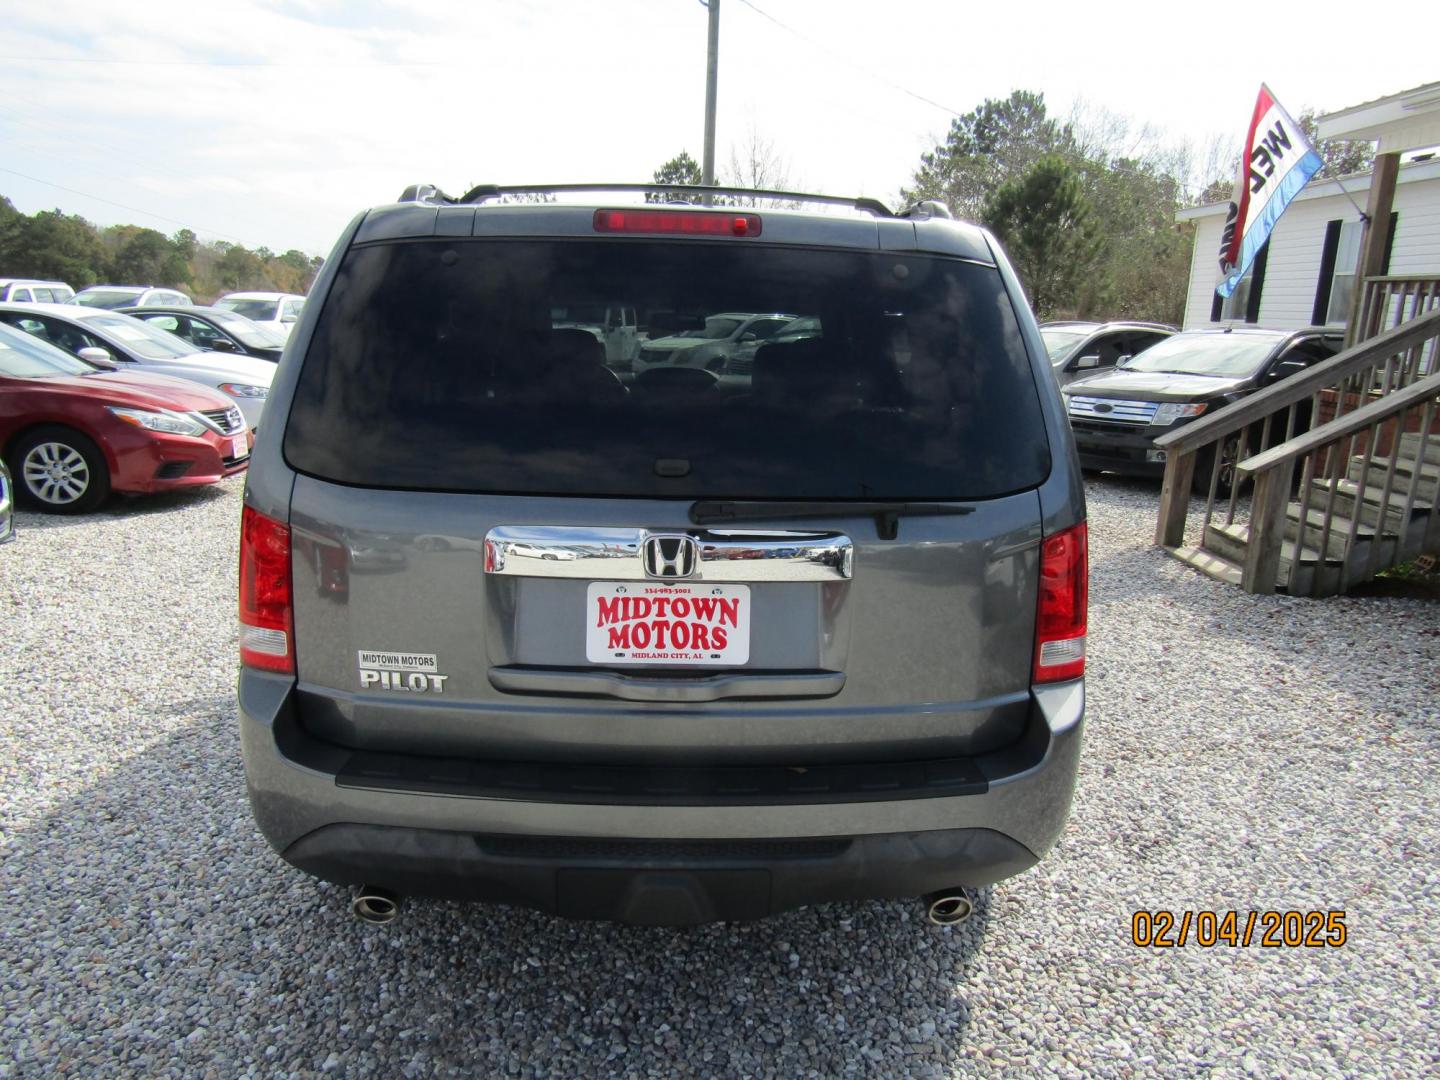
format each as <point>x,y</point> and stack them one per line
<point>573,346</point>
<point>676,380</point>
<point>791,371</point>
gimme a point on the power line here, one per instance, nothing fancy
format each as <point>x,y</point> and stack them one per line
<point>920,97</point>
<point>846,60</point>
<point>112,202</point>
<point>112,150</point>
<point>309,65</point>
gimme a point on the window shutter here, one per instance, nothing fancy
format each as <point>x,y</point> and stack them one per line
<point>1327,272</point>
<point>1257,283</point>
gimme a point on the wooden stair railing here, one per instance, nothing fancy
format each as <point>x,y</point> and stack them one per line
<point>1391,300</point>
<point>1342,530</point>
<point>1350,381</point>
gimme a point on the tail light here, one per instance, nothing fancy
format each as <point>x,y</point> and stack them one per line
<point>1061,608</point>
<point>267,618</point>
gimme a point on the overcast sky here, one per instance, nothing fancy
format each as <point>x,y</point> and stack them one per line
<point>273,123</point>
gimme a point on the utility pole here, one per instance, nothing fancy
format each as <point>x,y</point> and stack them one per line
<point>712,65</point>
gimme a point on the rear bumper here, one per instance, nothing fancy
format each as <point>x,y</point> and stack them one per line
<point>647,856</point>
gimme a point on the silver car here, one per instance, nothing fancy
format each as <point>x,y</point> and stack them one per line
<point>662,650</point>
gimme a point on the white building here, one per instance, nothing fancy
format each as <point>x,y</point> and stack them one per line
<point>1307,270</point>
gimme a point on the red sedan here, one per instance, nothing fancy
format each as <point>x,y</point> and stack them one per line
<point>72,434</point>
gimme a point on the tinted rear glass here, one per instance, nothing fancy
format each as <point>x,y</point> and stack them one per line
<point>107,298</point>
<point>263,310</point>
<point>440,366</point>
<point>249,332</point>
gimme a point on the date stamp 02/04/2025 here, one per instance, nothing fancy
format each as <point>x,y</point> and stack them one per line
<point>1239,929</point>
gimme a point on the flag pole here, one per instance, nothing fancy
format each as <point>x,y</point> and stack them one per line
<point>1363,215</point>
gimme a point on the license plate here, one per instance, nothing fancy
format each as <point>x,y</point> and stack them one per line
<point>239,446</point>
<point>649,623</point>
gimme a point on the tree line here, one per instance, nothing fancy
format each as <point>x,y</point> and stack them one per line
<point>54,245</point>
<point>1084,206</point>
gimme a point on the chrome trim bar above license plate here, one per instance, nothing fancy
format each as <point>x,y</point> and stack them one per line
<point>601,554</point>
<point>797,684</point>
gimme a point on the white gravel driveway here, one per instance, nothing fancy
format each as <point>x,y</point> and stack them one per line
<point>1241,753</point>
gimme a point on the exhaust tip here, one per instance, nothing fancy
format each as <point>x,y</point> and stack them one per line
<point>949,908</point>
<point>376,906</point>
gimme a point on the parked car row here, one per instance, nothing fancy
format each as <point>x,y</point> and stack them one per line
<point>110,339</point>
<point>275,311</point>
<point>141,400</point>
<point>72,433</point>
<point>722,343</point>
<point>215,330</point>
<point>1120,402</point>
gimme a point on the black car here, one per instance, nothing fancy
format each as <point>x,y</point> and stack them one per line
<point>1077,348</point>
<point>214,329</point>
<point>1117,415</point>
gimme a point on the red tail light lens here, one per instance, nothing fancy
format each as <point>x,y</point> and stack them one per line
<point>267,618</point>
<point>677,222</point>
<point>1060,612</point>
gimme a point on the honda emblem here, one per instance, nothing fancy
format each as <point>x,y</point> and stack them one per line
<point>675,556</point>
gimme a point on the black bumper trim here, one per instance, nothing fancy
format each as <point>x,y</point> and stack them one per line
<point>636,785</point>
<point>670,883</point>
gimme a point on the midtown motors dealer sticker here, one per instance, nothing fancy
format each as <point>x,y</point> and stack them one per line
<point>411,673</point>
<point>692,623</point>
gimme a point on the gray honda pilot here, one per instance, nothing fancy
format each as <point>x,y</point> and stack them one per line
<point>523,626</point>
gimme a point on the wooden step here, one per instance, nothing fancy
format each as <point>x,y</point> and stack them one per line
<point>1337,540</point>
<point>1207,562</point>
<point>1349,494</point>
<point>1410,445</point>
<point>1405,468</point>
<point>1229,542</point>
<point>1314,576</point>
<point>1222,557</point>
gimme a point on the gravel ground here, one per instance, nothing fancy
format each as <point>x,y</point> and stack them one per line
<point>1241,752</point>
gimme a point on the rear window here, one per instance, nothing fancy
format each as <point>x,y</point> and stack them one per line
<point>107,298</point>
<point>251,333</point>
<point>261,310</point>
<point>440,366</point>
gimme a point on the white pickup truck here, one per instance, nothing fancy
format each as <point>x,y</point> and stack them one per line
<point>614,324</point>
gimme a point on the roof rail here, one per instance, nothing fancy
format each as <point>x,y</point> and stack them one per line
<point>690,193</point>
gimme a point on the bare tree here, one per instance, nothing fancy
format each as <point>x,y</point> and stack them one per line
<point>755,163</point>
